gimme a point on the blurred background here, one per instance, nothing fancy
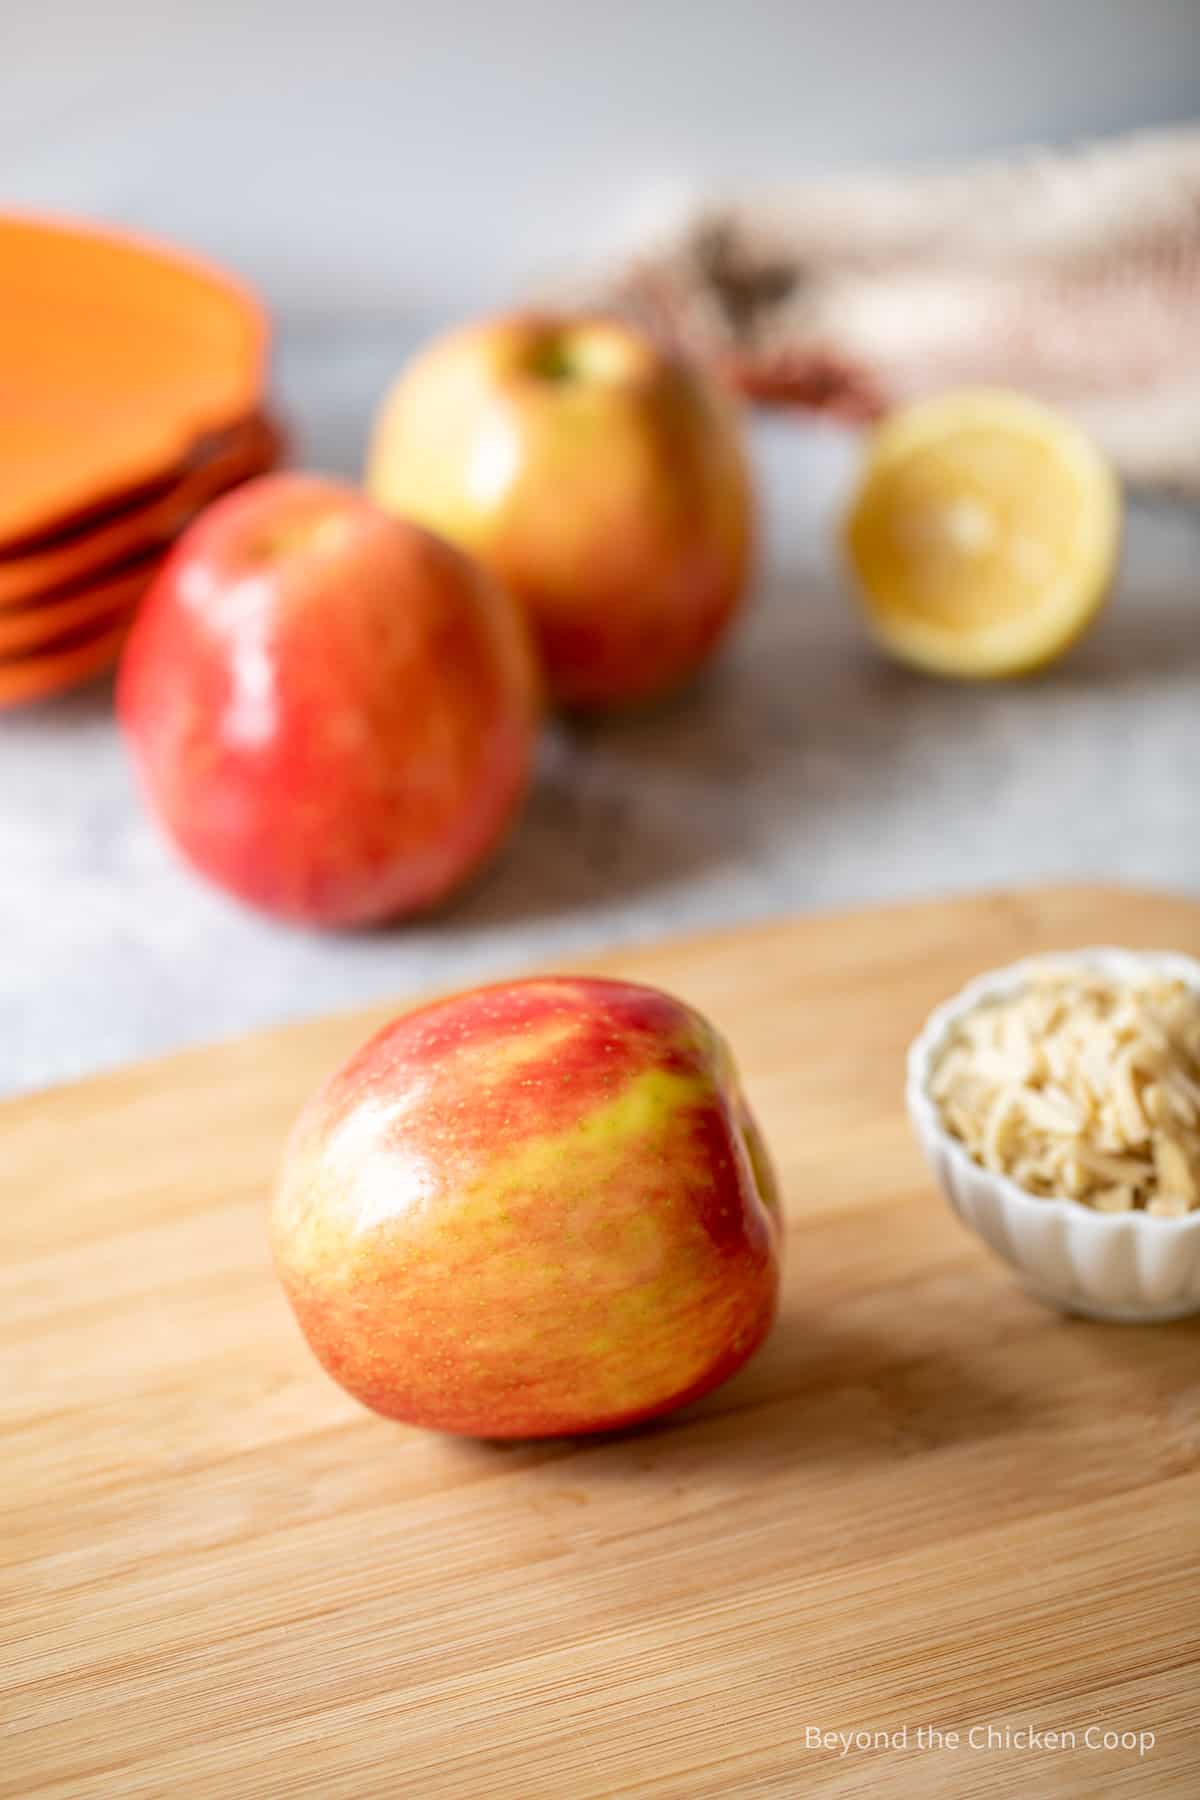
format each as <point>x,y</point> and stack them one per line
<point>394,159</point>
<point>376,171</point>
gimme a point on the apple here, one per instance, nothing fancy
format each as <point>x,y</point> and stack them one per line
<point>597,474</point>
<point>331,711</point>
<point>535,1209</point>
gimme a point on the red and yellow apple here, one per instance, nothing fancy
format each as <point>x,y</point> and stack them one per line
<point>331,711</point>
<point>534,1209</point>
<point>598,475</point>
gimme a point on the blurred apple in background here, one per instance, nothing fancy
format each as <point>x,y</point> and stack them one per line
<point>331,711</point>
<point>533,1209</point>
<point>601,478</point>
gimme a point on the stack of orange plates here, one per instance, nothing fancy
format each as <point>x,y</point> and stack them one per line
<point>131,394</point>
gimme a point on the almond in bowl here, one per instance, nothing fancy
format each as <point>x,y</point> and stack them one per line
<point>1059,1104</point>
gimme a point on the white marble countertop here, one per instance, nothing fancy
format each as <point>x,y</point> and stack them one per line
<point>803,772</point>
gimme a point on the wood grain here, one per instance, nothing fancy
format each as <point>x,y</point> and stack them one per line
<point>928,1502</point>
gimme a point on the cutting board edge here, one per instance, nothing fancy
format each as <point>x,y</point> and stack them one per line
<point>375,1012</point>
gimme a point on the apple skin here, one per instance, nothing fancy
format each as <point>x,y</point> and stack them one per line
<point>331,711</point>
<point>536,1209</point>
<point>599,476</point>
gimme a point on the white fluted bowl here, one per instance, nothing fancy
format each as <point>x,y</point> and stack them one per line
<point>1131,1267</point>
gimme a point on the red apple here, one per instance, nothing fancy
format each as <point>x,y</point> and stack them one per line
<point>534,1209</point>
<point>600,477</point>
<point>332,712</point>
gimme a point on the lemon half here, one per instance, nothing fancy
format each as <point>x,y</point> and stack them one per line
<point>984,534</point>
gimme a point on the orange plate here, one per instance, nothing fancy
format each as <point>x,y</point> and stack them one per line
<point>37,676</point>
<point>249,450</point>
<point>116,356</point>
<point>38,629</point>
<point>213,443</point>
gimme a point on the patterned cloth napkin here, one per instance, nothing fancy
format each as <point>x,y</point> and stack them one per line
<point>1072,275</point>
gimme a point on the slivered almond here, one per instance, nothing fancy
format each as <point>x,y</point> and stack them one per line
<point>1082,1086</point>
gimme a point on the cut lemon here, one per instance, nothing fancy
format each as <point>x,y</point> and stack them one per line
<point>983,533</point>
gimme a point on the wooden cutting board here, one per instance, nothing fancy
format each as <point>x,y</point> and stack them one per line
<point>929,1503</point>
